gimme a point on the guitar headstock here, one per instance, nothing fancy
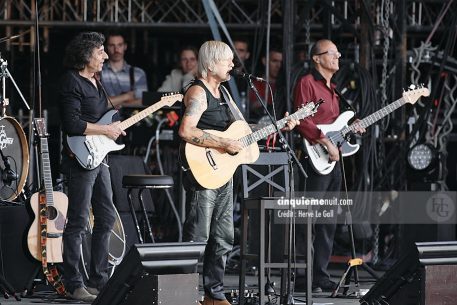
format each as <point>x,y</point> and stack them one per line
<point>413,94</point>
<point>40,127</point>
<point>170,98</point>
<point>306,110</point>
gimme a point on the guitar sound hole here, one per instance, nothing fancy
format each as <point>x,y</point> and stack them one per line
<point>52,213</point>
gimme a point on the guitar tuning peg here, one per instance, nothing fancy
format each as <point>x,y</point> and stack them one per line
<point>412,87</point>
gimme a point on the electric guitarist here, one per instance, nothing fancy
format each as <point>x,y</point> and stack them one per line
<point>82,103</point>
<point>318,85</point>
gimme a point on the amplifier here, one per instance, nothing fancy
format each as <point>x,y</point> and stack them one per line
<point>165,289</point>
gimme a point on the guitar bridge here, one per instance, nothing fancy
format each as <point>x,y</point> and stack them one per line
<point>54,235</point>
<point>210,158</point>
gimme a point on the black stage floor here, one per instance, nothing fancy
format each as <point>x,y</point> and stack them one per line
<point>231,283</point>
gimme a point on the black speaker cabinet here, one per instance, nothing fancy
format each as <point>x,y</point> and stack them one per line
<point>427,275</point>
<point>16,264</point>
<point>153,274</point>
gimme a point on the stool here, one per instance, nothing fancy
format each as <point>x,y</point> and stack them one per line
<point>142,182</point>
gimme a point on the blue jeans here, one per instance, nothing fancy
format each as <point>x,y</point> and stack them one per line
<point>210,219</point>
<point>86,189</point>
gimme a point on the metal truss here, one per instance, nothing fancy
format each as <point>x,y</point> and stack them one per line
<point>132,13</point>
<point>191,12</point>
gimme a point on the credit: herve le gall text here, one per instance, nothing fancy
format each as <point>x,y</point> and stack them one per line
<point>305,214</point>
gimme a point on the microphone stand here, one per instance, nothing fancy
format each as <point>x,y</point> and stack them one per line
<point>5,73</point>
<point>288,299</point>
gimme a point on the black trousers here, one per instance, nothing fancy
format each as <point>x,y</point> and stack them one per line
<point>323,229</point>
<point>323,233</point>
<point>210,219</point>
<point>86,189</point>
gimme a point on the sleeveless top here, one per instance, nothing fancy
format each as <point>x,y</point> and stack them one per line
<point>217,115</point>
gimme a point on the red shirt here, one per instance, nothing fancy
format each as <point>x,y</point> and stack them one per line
<point>255,107</point>
<point>311,88</point>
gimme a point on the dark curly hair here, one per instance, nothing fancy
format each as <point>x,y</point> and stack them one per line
<point>80,48</point>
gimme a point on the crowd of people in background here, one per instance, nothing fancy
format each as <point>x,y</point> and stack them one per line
<point>125,83</point>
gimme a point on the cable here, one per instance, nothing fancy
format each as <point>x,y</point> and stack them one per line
<point>159,161</point>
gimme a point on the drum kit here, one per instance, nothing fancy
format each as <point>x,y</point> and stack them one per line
<point>14,170</point>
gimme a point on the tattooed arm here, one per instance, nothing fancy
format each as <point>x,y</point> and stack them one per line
<point>196,104</point>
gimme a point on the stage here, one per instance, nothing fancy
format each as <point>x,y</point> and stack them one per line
<point>231,282</point>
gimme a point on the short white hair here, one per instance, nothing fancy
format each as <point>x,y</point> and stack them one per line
<point>210,53</point>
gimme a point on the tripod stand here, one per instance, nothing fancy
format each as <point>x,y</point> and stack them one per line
<point>6,289</point>
<point>354,262</point>
<point>287,297</point>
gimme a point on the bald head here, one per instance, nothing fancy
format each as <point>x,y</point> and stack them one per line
<point>325,56</point>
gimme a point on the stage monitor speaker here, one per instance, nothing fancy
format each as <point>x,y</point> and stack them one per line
<point>164,273</point>
<point>16,264</point>
<point>427,275</point>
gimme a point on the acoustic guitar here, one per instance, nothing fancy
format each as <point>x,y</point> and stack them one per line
<point>212,168</point>
<point>56,208</point>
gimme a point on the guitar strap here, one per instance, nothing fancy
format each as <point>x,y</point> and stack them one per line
<point>233,107</point>
<point>345,102</point>
<point>105,93</point>
<point>51,272</point>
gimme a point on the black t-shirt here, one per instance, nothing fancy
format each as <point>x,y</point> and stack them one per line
<point>80,102</point>
<point>217,115</point>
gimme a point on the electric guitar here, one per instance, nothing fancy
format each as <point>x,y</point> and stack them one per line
<point>56,204</point>
<point>91,150</point>
<point>338,131</point>
<point>212,167</point>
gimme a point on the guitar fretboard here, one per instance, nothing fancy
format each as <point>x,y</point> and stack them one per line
<point>46,167</point>
<point>269,129</point>
<point>375,116</point>
<point>141,115</point>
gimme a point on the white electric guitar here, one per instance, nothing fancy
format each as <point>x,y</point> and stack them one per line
<point>91,150</point>
<point>338,131</point>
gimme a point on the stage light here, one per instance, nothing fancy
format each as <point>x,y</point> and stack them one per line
<point>421,156</point>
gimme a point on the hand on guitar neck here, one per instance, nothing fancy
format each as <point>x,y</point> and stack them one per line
<point>358,128</point>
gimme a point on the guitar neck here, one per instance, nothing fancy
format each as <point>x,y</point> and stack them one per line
<point>268,130</point>
<point>47,176</point>
<point>376,116</point>
<point>141,115</point>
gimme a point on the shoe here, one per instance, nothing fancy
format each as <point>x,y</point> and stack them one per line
<point>316,289</point>
<point>81,294</point>
<point>93,291</point>
<point>210,301</point>
<point>325,285</point>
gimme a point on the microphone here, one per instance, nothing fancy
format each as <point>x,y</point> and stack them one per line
<point>8,175</point>
<point>238,73</point>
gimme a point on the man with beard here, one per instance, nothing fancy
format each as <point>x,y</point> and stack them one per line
<point>124,83</point>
